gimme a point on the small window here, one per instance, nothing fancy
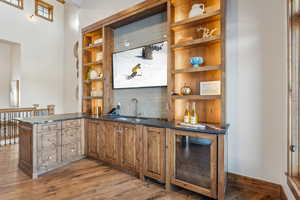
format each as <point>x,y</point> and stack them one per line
<point>15,3</point>
<point>44,10</point>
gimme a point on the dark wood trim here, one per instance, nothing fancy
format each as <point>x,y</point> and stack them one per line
<point>282,194</point>
<point>294,184</point>
<point>255,185</point>
<point>61,1</point>
<point>45,5</point>
<point>20,7</point>
<point>139,11</point>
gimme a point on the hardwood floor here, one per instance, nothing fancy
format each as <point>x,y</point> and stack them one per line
<point>89,180</point>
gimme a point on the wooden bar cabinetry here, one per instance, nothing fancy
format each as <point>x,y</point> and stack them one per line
<point>114,143</point>
<point>154,146</point>
<point>49,146</point>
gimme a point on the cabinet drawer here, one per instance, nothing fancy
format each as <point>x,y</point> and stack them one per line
<point>71,123</point>
<point>71,152</point>
<point>48,140</point>
<point>71,135</point>
<point>49,127</point>
<point>48,158</point>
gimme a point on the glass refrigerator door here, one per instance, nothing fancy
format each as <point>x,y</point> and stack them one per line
<point>193,160</point>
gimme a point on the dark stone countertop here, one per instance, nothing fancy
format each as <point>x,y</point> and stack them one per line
<point>51,118</point>
<point>160,123</point>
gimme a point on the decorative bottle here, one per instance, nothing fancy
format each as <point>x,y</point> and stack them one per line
<point>187,114</point>
<point>194,115</point>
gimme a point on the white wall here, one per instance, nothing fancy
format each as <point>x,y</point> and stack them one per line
<point>256,82</point>
<point>72,35</point>
<point>5,73</point>
<point>92,11</point>
<point>257,88</point>
<point>42,52</point>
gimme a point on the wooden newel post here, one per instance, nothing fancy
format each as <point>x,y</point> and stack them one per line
<point>35,107</point>
<point>51,109</point>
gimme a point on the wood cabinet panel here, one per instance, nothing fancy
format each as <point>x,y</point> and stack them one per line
<point>101,129</point>
<point>154,144</point>
<point>26,148</point>
<point>71,135</point>
<point>49,127</point>
<point>48,158</point>
<point>71,123</point>
<point>129,147</point>
<point>71,152</point>
<point>47,140</point>
<point>91,136</point>
<point>48,149</point>
<point>112,143</point>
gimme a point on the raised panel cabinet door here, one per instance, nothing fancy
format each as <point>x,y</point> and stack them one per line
<point>48,140</point>
<point>154,144</point>
<point>91,136</point>
<point>48,158</point>
<point>71,135</point>
<point>129,144</point>
<point>71,152</point>
<point>101,129</point>
<point>112,143</point>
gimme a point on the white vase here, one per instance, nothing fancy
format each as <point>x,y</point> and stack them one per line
<point>93,74</point>
<point>197,9</point>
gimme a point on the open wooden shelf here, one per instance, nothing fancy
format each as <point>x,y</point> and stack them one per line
<point>197,69</point>
<point>94,46</point>
<point>92,80</point>
<point>196,97</point>
<point>195,20</point>
<point>93,63</point>
<point>196,42</point>
<point>92,97</point>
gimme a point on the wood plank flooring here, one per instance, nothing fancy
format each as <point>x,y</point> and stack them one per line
<point>90,180</point>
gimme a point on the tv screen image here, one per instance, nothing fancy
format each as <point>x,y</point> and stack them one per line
<point>141,67</point>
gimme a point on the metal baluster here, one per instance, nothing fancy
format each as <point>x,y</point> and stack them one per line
<point>5,123</point>
<point>1,132</point>
<point>10,133</point>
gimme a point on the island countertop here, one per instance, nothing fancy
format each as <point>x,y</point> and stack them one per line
<point>152,122</point>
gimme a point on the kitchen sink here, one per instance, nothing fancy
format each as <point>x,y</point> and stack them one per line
<point>129,119</point>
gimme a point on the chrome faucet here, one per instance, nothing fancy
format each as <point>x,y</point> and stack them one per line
<point>135,101</point>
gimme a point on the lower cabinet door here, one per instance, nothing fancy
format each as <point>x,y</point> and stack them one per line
<point>112,143</point>
<point>91,137</point>
<point>71,152</point>
<point>129,145</point>
<point>154,144</point>
<point>48,158</point>
<point>48,150</point>
<point>193,163</point>
<point>101,129</point>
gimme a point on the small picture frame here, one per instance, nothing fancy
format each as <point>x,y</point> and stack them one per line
<point>210,88</point>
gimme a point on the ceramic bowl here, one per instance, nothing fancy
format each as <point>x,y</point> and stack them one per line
<point>197,61</point>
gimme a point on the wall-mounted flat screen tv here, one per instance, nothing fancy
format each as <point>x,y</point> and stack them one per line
<point>141,67</point>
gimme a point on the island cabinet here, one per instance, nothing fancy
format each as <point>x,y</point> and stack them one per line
<point>45,147</point>
<point>154,145</point>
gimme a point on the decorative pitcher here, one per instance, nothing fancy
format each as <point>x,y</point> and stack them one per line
<point>197,9</point>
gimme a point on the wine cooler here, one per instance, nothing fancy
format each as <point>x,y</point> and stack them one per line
<point>194,161</point>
